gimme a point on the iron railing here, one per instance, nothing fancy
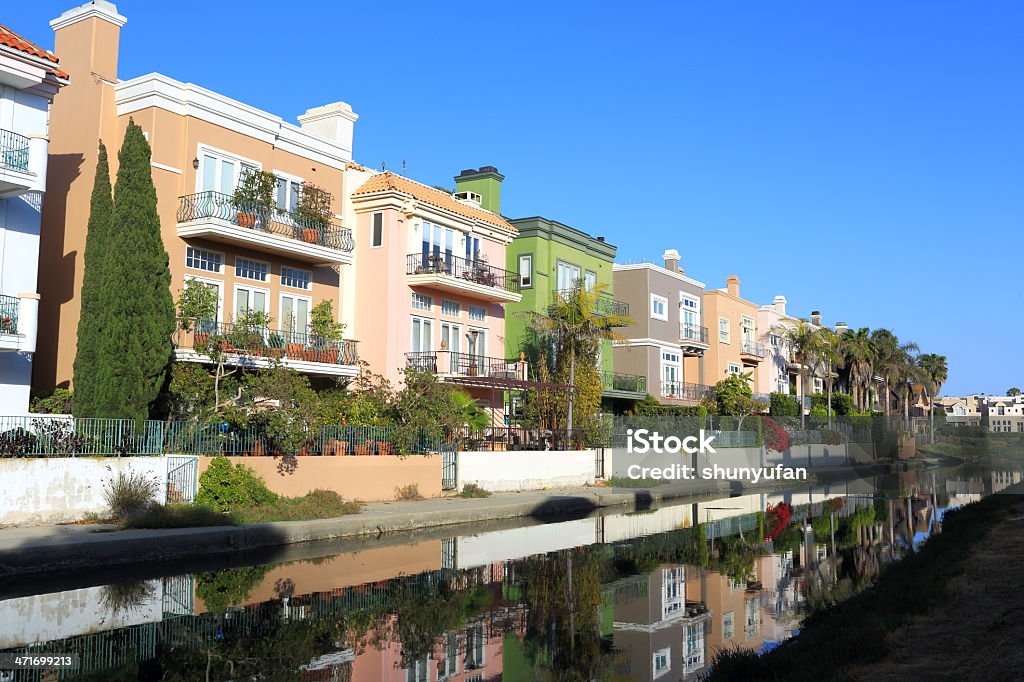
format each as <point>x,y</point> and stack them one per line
<point>613,381</point>
<point>204,336</point>
<point>476,271</point>
<point>753,348</point>
<point>454,363</point>
<point>605,305</point>
<point>13,150</point>
<point>8,315</point>
<point>684,391</point>
<point>521,438</point>
<point>253,216</point>
<point>693,333</point>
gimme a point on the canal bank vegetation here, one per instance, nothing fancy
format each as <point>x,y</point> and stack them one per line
<point>835,642</point>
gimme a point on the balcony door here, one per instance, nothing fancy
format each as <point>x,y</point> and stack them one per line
<point>437,248</point>
<point>218,287</point>
<point>422,335</point>
<point>451,337</point>
<point>689,311</point>
<point>747,329</point>
<point>250,299</point>
<point>295,316</point>
<point>568,276</point>
<point>220,173</point>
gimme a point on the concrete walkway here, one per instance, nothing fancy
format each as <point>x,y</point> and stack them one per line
<point>39,549</point>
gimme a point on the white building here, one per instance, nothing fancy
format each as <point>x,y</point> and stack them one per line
<point>1003,414</point>
<point>29,79</point>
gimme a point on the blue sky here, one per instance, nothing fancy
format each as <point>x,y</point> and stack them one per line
<point>861,158</point>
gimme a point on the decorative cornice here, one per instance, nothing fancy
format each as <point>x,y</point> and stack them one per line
<point>99,9</point>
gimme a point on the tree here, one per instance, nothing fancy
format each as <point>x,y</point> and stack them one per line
<point>894,361</point>
<point>858,356</point>
<point>1013,391</point>
<point>830,357</point>
<point>805,343</point>
<point>735,398</point>
<point>90,332</point>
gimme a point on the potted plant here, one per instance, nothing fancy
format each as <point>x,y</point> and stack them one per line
<point>326,332</point>
<point>249,331</point>
<point>313,213</point>
<point>385,447</point>
<point>254,197</point>
<point>275,346</point>
<point>364,448</point>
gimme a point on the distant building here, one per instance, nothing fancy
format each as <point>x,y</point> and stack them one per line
<point>735,347</point>
<point>1003,414</point>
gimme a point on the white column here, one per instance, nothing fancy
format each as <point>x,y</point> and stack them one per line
<point>28,321</point>
<point>38,147</point>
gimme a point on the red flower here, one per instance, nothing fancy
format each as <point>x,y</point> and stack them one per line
<point>775,437</point>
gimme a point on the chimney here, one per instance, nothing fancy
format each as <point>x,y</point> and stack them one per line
<point>816,318</point>
<point>87,39</point>
<point>779,303</point>
<point>601,239</point>
<point>333,121</point>
<point>486,182</point>
<point>841,328</point>
<point>732,285</point>
<point>671,257</point>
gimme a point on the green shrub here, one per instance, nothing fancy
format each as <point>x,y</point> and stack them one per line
<point>179,516</point>
<point>842,404</point>
<point>473,490</point>
<point>221,589</point>
<point>58,402</point>
<point>408,492</point>
<point>128,494</point>
<point>317,504</point>
<point>783,405</point>
<point>225,487</point>
<point>830,437</point>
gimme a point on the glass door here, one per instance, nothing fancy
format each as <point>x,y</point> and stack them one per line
<point>451,337</point>
<point>295,317</point>
<point>568,276</point>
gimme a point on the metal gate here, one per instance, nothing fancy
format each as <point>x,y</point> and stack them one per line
<point>449,465</point>
<point>599,462</point>
<point>182,478</point>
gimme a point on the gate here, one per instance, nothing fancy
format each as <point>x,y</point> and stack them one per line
<point>449,465</point>
<point>182,478</point>
<point>599,463</point>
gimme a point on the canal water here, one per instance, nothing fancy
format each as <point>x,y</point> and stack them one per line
<point>646,595</point>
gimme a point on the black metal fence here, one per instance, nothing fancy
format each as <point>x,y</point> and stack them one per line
<point>13,150</point>
<point>475,271</point>
<point>255,341</point>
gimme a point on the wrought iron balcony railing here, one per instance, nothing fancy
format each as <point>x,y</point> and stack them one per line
<point>476,271</point>
<point>255,217</point>
<point>605,305</point>
<point>8,315</point>
<point>205,336</point>
<point>753,348</point>
<point>693,333</point>
<point>13,150</point>
<point>613,381</point>
<point>455,363</point>
<point>684,391</point>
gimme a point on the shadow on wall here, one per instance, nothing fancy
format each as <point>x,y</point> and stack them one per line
<point>57,270</point>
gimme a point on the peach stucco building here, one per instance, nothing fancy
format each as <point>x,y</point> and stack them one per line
<point>732,324</point>
<point>202,143</point>
<point>432,287</point>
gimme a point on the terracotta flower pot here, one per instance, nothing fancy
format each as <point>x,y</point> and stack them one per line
<point>364,449</point>
<point>295,351</point>
<point>385,449</point>
<point>310,235</point>
<point>247,220</point>
<point>336,448</point>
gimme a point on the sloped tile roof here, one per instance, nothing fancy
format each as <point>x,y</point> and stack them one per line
<point>15,41</point>
<point>388,181</point>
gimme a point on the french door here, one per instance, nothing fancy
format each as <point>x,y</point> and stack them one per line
<point>295,317</point>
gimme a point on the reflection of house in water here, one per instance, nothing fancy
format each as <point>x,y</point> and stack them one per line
<point>659,626</point>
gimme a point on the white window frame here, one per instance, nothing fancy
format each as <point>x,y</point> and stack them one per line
<point>574,272</point>
<point>373,229</point>
<point>292,286</point>
<point>449,313</point>
<point>257,262</point>
<point>481,348</point>
<point>454,332</point>
<point>674,362</point>
<point>219,283</point>
<point>589,280</point>
<point>734,368</point>
<point>252,289</point>
<point>727,331</point>
<point>203,149</point>
<point>430,341</point>
<point>526,272</point>
<point>818,384</point>
<point>728,625</point>
<point>290,179</point>
<point>423,299</point>
<point>748,329</point>
<point>657,299</point>
<point>666,655</point>
<point>280,307</point>
<point>471,308</point>
<point>223,259</point>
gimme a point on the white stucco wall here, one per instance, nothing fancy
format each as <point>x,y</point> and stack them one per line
<point>516,543</point>
<point>526,470</point>
<point>61,489</point>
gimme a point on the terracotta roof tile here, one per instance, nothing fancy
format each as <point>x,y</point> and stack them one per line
<point>15,41</point>
<point>390,182</point>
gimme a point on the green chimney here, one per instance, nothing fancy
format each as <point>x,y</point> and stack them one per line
<point>486,182</point>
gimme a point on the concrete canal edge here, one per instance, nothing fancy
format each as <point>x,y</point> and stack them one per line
<point>48,549</point>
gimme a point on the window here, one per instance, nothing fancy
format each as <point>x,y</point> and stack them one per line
<point>421,302</point>
<point>296,279</point>
<point>723,329</point>
<point>295,313</point>
<point>747,329</point>
<point>818,385</point>
<point>735,369</point>
<point>728,625</point>
<point>590,280</point>
<point>526,272</point>
<point>451,337</point>
<point>422,335</point>
<point>452,308</point>
<point>250,299</point>
<point>660,663</point>
<point>689,309</point>
<point>288,191</point>
<point>251,269</point>
<point>201,259</point>
<point>472,249</point>
<point>567,276</point>
<point>219,172</point>
<point>694,655</point>
<point>218,287</point>
<point>774,340</point>
<point>438,240</point>
<point>671,373</point>
<point>659,307</point>
<point>476,342</point>
<point>477,313</point>
<point>673,593</point>
<point>377,232</point>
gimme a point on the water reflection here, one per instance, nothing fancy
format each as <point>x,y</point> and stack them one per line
<point>643,596</point>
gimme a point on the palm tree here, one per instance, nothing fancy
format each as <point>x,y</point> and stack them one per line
<point>574,324</point>
<point>935,371</point>
<point>894,361</point>
<point>804,342</point>
<point>858,357</point>
<point>830,356</point>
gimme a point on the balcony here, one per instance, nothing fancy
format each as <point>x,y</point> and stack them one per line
<point>604,306</point>
<point>259,347</point>
<point>9,323</point>
<point>751,353</point>
<point>629,386</point>
<point>18,323</point>
<point>470,369</point>
<point>693,339</point>
<point>679,390</point>
<point>15,176</point>
<point>217,217</point>
<point>471,278</point>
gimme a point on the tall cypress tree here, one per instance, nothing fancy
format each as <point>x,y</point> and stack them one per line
<point>137,311</point>
<point>97,243</point>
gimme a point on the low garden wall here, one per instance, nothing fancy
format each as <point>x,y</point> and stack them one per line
<point>618,461</point>
<point>370,478</point>
<point>511,470</point>
<point>46,490</point>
